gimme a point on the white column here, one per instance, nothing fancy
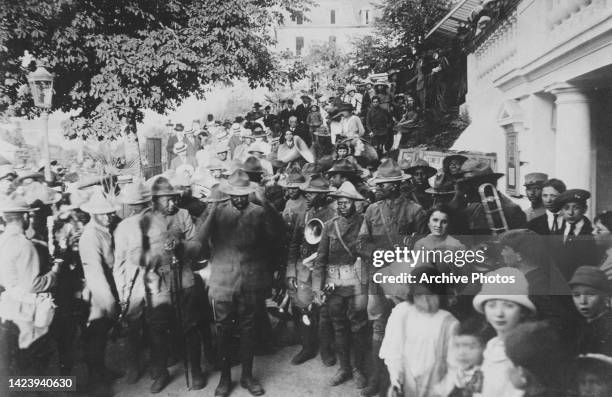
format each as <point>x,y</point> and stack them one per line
<point>574,155</point>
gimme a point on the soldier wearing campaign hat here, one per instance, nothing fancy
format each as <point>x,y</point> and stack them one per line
<point>533,188</point>
<point>575,246</point>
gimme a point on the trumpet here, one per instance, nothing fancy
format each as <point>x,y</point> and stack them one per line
<point>313,231</point>
<point>493,208</point>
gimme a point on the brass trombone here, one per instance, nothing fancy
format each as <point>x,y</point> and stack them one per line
<point>493,208</point>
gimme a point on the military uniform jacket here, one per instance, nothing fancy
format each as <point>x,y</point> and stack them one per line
<point>294,209</point>
<point>140,243</point>
<point>239,242</point>
<point>96,250</point>
<point>331,251</point>
<point>299,249</point>
<point>386,223</point>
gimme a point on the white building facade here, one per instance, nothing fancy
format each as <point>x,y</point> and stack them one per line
<point>540,94</point>
<point>328,21</point>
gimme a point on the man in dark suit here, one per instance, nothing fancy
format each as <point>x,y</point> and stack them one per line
<point>552,221</point>
<point>303,109</point>
<point>286,113</point>
<point>574,246</point>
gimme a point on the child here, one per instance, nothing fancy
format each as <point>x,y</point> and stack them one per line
<point>535,351</point>
<point>464,376</point>
<point>591,292</point>
<point>593,376</point>
<point>314,119</point>
<point>505,305</point>
<point>417,338</point>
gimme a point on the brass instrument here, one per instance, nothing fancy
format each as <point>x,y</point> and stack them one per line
<point>313,231</point>
<point>493,208</point>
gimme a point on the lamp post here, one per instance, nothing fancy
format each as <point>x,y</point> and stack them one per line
<point>41,86</point>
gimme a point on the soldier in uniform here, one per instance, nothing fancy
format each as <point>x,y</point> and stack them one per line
<point>24,349</point>
<point>386,225</point>
<point>299,275</point>
<point>337,268</point>
<point>97,257</point>
<point>147,246</point>
<point>421,172</point>
<point>239,235</point>
<point>296,205</point>
<point>533,189</point>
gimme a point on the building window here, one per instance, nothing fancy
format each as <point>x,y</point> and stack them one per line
<point>299,45</point>
<point>332,17</point>
<point>365,17</point>
<point>299,17</point>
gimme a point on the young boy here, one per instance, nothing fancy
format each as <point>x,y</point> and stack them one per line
<point>591,292</point>
<point>535,351</point>
<point>464,377</point>
<point>593,376</point>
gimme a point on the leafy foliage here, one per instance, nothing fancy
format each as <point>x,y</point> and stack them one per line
<point>330,66</point>
<point>399,34</point>
<point>114,58</point>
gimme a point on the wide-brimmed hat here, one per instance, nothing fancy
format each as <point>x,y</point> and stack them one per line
<point>310,169</point>
<point>404,164</point>
<point>343,166</point>
<point>134,193</point>
<point>235,129</point>
<point>258,147</point>
<point>14,203</point>
<point>34,176</point>
<point>252,165</point>
<point>181,180</point>
<point>257,105</point>
<point>221,148</point>
<point>571,196</point>
<point>179,147</point>
<point>40,192</point>
<point>161,187</point>
<point>475,169</point>
<point>347,190</point>
<point>443,185</point>
<point>389,171</point>
<point>98,204</point>
<point>317,184</point>
<point>179,127</point>
<point>260,133</point>
<point>453,157</point>
<point>535,178</point>
<point>246,133</point>
<point>423,165</point>
<point>216,195</point>
<point>304,96</point>
<point>516,291</point>
<point>350,88</point>
<point>238,184</point>
<point>216,164</point>
<point>294,179</point>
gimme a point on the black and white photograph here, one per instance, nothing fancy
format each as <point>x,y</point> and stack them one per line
<point>306,198</point>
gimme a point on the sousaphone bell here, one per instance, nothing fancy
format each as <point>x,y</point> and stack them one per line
<point>313,231</point>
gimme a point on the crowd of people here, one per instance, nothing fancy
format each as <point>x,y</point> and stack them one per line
<point>274,219</point>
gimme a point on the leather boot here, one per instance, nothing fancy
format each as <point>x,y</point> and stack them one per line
<point>225,383</point>
<point>374,379</point>
<point>160,382</point>
<point>194,349</point>
<point>326,338</point>
<point>360,347</point>
<point>247,381</point>
<point>345,372</point>
<point>307,335</point>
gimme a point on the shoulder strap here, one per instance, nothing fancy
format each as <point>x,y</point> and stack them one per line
<point>346,248</point>
<point>384,221</point>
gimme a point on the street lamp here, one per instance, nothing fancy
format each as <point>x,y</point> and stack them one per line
<point>41,87</point>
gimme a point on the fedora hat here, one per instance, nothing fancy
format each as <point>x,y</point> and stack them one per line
<point>216,164</point>
<point>161,187</point>
<point>235,129</point>
<point>252,165</point>
<point>343,166</point>
<point>347,190</point>
<point>442,185</point>
<point>259,133</point>
<point>389,171</point>
<point>238,184</point>
<point>258,147</point>
<point>311,169</point>
<point>304,96</point>
<point>294,179</point>
<point>317,184</point>
<point>345,107</point>
<point>179,127</point>
<point>14,203</point>
<point>453,157</point>
<point>535,178</point>
<point>134,193</point>
<point>424,165</point>
<point>474,168</point>
<point>179,147</point>
<point>216,195</point>
<point>98,204</point>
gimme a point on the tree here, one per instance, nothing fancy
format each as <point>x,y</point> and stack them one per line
<point>328,64</point>
<point>112,59</point>
<point>399,34</point>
